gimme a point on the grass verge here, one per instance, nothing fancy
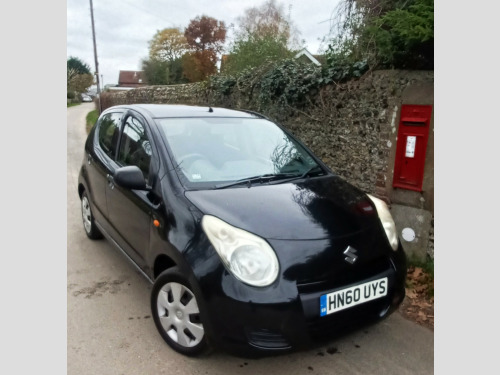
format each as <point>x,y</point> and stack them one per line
<point>91,119</point>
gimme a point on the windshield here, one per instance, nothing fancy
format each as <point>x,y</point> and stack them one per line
<point>214,150</point>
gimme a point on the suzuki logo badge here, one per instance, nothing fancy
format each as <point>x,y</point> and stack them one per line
<point>350,254</point>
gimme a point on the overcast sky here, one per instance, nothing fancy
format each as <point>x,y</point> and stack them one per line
<point>123,28</point>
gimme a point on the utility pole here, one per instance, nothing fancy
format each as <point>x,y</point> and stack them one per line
<point>95,56</point>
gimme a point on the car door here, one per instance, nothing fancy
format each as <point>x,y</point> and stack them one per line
<point>130,211</point>
<point>100,152</point>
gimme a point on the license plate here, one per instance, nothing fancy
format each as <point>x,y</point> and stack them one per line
<point>352,296</point>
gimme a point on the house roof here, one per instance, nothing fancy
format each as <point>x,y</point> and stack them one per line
<point>130,78</point>
<point>307,54</point>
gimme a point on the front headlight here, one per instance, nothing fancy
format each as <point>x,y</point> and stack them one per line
<point>387,221</point>
<point>247,256</point>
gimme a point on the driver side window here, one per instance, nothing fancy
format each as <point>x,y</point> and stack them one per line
<point>135,147</point>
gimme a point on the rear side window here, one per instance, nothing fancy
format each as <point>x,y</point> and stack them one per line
<point>135,148</point>
<point>109,130</point>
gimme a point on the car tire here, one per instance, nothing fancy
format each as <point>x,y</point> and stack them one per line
<point>176,313</point>
<point>89,225</point>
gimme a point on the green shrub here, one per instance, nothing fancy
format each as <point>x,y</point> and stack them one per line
<point>395,34</point>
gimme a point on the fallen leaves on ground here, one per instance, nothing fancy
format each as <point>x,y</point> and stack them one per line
<point>418,304</point>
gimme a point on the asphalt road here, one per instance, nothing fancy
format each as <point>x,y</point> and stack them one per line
<point>110,329</point>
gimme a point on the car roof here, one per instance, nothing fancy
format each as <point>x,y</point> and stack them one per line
<point>181,110</point>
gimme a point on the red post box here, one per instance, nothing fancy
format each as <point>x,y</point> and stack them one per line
<point>411,146</point>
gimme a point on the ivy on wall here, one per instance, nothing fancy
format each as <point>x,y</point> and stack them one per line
<point>275,87</point>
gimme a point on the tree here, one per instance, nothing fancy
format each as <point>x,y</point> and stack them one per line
<point>191,66</point>
<point>164,66</point>
<point>404,36</point>
<point>269,21</point>
<point>78,65</point>
<point>253,52</point>
<point>168,45</point>
<point>205,37</point>
<point>157,72</point>
<point>384,33</point>
<point>79,78</point>
<point>265,33</point>
<point>206,33</point>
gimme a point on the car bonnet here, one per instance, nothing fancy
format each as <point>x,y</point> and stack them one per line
<point>315,208</point>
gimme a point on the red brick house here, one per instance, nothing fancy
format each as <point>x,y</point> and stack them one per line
<point>131,78</point>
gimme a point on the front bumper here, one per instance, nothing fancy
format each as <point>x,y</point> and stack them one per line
<point>285,316</point>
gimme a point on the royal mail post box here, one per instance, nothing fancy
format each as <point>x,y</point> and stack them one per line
<point>411,146</point>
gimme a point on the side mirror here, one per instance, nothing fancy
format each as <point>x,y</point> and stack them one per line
<point>130,177</point>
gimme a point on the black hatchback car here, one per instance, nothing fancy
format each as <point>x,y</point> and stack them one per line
<point>252,244</point>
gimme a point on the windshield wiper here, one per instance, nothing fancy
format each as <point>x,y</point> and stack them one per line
<point>260,178</point>
<point>272,178</point>
<point>298,177</point>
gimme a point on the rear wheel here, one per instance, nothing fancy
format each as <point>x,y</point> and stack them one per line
<point>176,313</point>
<point>88,219</point>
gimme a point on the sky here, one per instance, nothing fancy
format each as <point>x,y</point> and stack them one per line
<point>123,28</point>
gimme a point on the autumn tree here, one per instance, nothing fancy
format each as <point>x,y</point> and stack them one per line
<point>164,65</point>
<point>168,45</point>
<point>265,33</point>
<point>78,75</point>
<point>205,37</point>
<point>192,69</point>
